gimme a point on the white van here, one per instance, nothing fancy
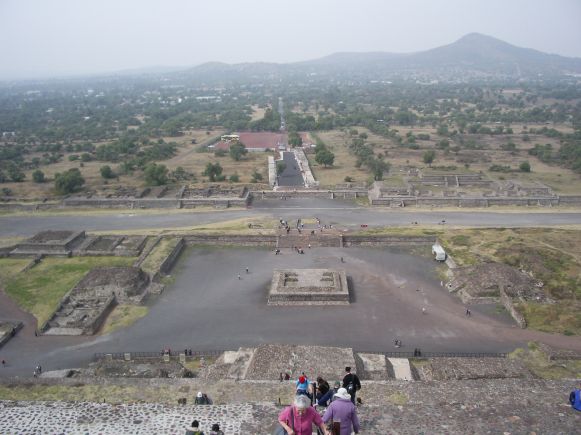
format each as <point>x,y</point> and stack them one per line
<point>438,253</point>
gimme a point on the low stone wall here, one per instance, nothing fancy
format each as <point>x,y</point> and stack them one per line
<point>326,194</point>
<point>406,201</point>
<point>506,301</point>
<point>243,240</point>
<point>167,264</point>
<point>386,240</point>
<point>570,199</point>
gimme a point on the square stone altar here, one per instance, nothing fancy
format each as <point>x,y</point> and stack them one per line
<point>309,287</point>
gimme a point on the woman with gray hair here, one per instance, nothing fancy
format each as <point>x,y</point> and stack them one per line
<point>298,419</point>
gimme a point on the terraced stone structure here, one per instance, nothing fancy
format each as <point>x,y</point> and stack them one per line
<point>50,243</point>
<point>309,287</point>
<point>84,309</point>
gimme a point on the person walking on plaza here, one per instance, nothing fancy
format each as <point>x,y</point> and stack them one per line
<point>298,419</point>
<point>343,411</point>
<point>351,383</point>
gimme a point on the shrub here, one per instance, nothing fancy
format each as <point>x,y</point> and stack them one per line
<point>38,176</point>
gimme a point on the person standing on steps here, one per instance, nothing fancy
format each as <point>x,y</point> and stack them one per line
<point>351,383</point>
<point>342,412</point>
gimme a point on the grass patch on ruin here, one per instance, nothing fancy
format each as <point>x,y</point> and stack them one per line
<point>195,364</point>
<point>10,267</point>
<point>398,399</point>
<point>153,261</point>
<point>40,289</point>
<point>538,363</point>
<point>561,317</point>
<point>123,316</point>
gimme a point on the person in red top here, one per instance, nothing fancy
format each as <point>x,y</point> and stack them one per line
<point>304,416</point>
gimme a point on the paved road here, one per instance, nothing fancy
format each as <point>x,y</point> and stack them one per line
<point>337,212</point>
<point>291,176</point>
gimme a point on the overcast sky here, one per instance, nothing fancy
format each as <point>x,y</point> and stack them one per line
<point>43,38</point>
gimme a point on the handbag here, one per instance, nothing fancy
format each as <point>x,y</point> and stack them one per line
<point>279,430</point>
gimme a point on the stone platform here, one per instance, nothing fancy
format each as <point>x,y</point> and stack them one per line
<point>309,287</point>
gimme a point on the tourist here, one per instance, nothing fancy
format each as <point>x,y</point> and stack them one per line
<point>239,277</point>
<point>468,312</point>
<point>351,383</point>
<point>216,430</point>
<point>302,385</point>
<point>298,419</point>
<point>3,363</point>
<point>329,396</point>
<point>202,399</point>
<point>575,398</point>
<point>287,376</point>
<point>194,429</point>
<point>343,411</point>
<point>322,388</point>
<point>247,270</point>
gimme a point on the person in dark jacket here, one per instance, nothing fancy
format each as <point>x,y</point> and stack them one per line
<point>322,387</point>
<point>194,429</point>
<point>328,397</point>
<point>351,383</point>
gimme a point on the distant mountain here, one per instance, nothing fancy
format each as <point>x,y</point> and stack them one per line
<point>481,53</point>
<point>474,55</point>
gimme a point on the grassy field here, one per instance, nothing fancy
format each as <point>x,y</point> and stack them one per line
<point>40,290</point>
<point>123,316</point>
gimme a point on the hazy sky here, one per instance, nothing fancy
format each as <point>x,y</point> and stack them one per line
<point>40,38</point>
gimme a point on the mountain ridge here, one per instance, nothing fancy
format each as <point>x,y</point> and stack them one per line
<point>473,53</point>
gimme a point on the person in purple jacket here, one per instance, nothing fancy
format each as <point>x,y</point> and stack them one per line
<point>343,410</point>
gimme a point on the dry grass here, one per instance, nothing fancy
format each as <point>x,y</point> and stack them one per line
<point>257,112</point>
<point>562,180</point>
<point>153,261</point>
<point>538,363</point>
<point>123,316</point>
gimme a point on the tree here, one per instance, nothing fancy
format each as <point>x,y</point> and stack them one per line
<point>280,167</point>
<point>295,139</point>
<point>107,172</point>
<point>16,174</point>
<point>379,167</point>
<point>155,174</point>
<point>69,181</point>
<point>213,171</point>
<point>325,157</point>
<point>38,176</point>
<point>429,157</point>
<point>525,166</point>
<point>237,151</point>
<point>234,178</point>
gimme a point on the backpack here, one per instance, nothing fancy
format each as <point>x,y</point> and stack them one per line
<point>350,388</point>
<point>351,385</point>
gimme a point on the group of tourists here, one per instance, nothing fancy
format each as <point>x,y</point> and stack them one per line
<point>340,413</point>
